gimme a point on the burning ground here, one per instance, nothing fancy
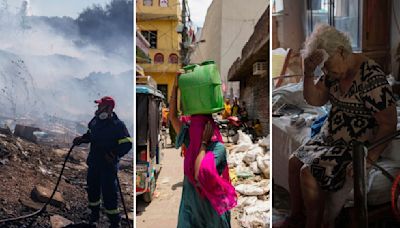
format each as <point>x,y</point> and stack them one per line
<point>25,166</point>
<point>51,71</point>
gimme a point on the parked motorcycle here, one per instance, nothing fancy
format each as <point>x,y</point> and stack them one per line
<point>229,128</point>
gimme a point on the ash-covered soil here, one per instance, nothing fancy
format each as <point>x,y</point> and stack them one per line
<point>24,165</point>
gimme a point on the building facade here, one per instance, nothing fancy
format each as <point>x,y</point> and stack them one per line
<point>227,28</point>
<point>158,22</point>
<point>142,49</point>
<point>254,81</point>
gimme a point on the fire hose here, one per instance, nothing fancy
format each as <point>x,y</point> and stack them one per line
<point>41,210</point>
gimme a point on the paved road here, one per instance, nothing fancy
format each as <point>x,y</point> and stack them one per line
<point>164,207</point>
<point>163,210</point>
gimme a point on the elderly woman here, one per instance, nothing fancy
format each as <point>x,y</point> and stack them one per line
<point>363,109</point>
<point>207,194</point>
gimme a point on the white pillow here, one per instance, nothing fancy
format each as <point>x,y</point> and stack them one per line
<point>392,151</point>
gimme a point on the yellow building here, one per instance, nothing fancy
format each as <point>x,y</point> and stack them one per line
<point>158,22</point>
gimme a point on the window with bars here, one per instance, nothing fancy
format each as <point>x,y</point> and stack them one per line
<point>277,6</point>
<point>342,14</point>
<point>151,37</point>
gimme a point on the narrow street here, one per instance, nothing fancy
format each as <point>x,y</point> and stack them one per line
<point>165,205</point>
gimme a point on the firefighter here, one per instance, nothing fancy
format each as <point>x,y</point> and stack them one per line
<point>109,141</point>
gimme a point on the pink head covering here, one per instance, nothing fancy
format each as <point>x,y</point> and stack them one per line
<point>185,119</point>
<point>218,190</point>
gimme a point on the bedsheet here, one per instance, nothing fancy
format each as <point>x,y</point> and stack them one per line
<point>286,138</point>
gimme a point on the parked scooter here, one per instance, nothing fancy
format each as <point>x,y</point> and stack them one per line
<point>229,128</point>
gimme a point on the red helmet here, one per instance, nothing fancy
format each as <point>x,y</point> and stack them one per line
<point>106,101</point>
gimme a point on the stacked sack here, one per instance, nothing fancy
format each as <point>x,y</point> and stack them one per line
<point>250,174</point>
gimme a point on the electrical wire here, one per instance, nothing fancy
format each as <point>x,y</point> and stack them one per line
<point>41,210</point>
<point>38,212</point>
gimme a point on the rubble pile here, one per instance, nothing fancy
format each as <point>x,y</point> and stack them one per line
<point>29,172</point>
<point>250,174</point>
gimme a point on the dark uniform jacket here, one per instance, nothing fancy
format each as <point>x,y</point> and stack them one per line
<point>107,136</point>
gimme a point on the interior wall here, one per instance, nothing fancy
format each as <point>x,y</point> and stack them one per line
<point>291,25</point>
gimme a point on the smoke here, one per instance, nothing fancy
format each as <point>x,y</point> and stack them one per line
<point>25,8</point>
<point>52,66</point>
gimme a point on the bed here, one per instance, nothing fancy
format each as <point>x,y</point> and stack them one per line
<point>286,138</point>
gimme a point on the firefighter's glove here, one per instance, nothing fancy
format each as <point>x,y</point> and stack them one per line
<point>78,141</point>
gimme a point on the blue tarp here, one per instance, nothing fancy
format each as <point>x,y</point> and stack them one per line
<point>317,125</point>
<point>148,90</point>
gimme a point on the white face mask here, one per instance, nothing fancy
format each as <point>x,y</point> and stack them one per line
<point>103,115</point>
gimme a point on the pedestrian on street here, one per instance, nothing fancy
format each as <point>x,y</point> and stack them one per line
<point>207,194</point>
<point>236,107</point>
<point>109,141</point>
<point>227,109</point>
<point>244,116</point>
<point>164,115</point>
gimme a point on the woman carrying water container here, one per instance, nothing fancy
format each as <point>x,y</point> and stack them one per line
<point>207,194</point>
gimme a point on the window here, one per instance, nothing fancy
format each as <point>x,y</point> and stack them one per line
<point>163,3</point>
<point>173,58</point>
<point>343,14</point>
<point>346,19</point>
<point>277,6</point>
<point>147,2</point>
<point>151,37</point>
<point>158,58</point>
<point>318,12</point>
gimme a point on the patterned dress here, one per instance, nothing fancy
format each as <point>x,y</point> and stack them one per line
<point>350,119</point>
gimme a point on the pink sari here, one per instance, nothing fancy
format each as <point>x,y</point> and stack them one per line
<point>217,189</point>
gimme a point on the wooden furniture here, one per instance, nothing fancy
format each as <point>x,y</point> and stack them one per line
<point>376,31</point>
<point>280,63</point>
<point>275,40</point>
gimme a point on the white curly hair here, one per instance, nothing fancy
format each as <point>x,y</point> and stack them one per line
<point>327,38</point>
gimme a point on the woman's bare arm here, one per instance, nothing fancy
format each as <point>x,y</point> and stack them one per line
<point>205,141</point>
<point>314,94</point>
<point>173,108</point>
<point>387,124</point>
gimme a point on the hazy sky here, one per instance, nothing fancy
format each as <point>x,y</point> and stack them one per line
<point>198,10</point>
<point>60,8</point>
